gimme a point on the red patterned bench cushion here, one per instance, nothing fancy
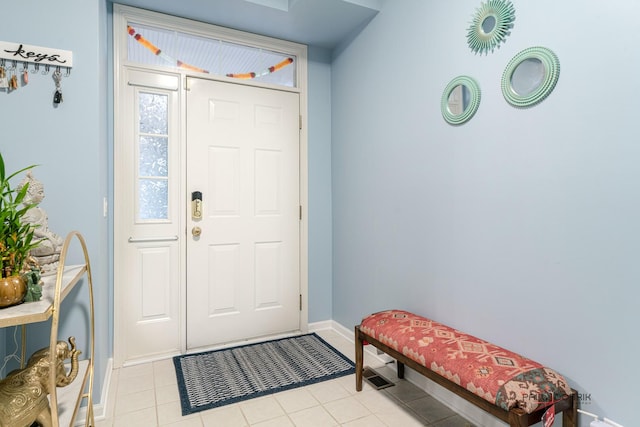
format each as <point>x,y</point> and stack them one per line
<point>499,376</point>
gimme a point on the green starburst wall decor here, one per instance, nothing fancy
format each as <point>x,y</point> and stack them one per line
<point>491,24</point>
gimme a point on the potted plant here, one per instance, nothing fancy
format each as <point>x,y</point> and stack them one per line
<point>16,238</point>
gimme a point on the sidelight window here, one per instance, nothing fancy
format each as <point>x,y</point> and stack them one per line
<point>153,157</point>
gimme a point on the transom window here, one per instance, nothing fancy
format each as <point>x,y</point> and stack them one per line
<point>174,49</point>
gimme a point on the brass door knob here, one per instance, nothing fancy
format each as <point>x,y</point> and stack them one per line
<point>196,231</point>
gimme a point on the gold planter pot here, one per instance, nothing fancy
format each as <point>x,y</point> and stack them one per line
<point>12,290</point>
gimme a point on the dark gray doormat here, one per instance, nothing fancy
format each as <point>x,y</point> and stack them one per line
<point>221,377</point>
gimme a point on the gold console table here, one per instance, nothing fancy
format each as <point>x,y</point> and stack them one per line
<point>65,403</point>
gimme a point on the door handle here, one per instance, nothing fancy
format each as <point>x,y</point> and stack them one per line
<point>152,239</point>
<point>196,231</point>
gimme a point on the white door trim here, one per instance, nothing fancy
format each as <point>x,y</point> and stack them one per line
<point>121,15</point>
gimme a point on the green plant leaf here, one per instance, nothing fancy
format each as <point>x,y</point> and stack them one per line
<point>16,235</point>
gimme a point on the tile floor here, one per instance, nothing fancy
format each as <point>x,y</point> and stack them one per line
<point>147,395</point>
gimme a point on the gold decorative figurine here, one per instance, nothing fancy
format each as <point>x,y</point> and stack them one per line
<point>23,393</point>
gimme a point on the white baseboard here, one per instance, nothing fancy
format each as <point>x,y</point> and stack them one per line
<point>100,412</point>
<point>320,326</point>
<point>99,408</point>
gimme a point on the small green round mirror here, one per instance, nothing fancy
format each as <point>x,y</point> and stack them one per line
<point>460,100</point>
<point>490,25</point>
<point>530,76</point>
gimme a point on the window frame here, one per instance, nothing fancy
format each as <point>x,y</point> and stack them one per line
<point>125,14</point>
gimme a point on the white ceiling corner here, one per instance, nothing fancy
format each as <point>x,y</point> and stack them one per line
<point>320,23</point>
<point>274,4</point>
<point>371,4</point>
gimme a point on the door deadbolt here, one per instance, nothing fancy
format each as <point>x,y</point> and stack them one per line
<point>196,205</point>
<point>196,231</point>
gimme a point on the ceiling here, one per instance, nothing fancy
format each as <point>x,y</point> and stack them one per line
<point>321,23</point>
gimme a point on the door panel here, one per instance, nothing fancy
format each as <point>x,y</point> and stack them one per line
<point>243,271</point>
<point>154,275</point>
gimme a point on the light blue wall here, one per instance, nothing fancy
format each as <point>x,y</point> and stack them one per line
<point>69,143</point>
<point>518,227</point>
<point>319,66</point>
<point>521,226</point>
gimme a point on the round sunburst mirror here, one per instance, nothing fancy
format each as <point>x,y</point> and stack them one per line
<point>491,25</point>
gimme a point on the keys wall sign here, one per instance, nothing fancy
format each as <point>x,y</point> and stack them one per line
<point>15,59</point>
<point>35,54</point>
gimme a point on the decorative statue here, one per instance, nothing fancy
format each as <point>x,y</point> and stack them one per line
<point>23,394</point>
<point>47,253</point>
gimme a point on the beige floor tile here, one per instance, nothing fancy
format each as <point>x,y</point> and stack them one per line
<point>349,383</point>
<point>136,370</point>
<point>226,416</point>
<point>328,391</point>
<point>376,401</point>
<point>133,402</point>
<point>134,384</point>
<point>261,409</point>
<point>313,417</point>
<point>104,423</point>
<point>171,412</point>
<point>405,391</point>
<point>454,421</point>
<point>282,421</point>
<point>142,418</point>
<point>296,400</point>
<point>189,422</point>
<point>167,393</point>
<point>163,365</point>
<point>400,417</point>
<point>347,409</point>
<point>165,377</point>
<point>368,421</point>
<point>430,409</point>
<point>338,342</point>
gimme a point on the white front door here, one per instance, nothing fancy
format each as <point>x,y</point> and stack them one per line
<point>243,254</point>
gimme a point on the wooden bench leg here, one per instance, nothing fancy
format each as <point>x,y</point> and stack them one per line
<point>518,418</point>
<point>570,416</point>
<point>359,356</point>
<point>400,369</point>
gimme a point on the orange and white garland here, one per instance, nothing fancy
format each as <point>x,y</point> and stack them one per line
<point>156,51</point>
<point>273,69</point>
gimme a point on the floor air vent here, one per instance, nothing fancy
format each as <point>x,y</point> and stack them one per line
<point>375,379</point>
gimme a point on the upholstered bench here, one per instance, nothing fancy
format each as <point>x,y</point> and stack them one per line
<point>511,387</point>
